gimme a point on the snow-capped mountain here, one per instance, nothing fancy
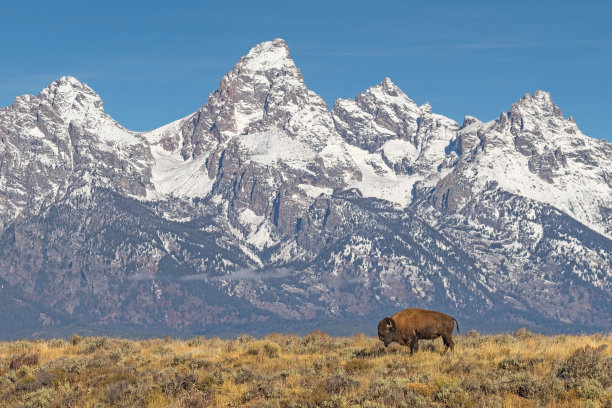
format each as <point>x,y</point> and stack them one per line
<point>65,133</point>
<point>264,210</point>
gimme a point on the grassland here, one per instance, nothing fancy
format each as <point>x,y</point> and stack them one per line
<point>518,370</point>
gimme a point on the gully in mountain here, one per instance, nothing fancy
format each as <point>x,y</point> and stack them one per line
<point>411,325</point>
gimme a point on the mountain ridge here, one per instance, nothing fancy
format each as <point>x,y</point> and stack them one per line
<point>264,204</point>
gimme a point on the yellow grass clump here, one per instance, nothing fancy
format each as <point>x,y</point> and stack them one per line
<point>519,370</point>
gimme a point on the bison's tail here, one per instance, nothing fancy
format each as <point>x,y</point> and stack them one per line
<point>457,325</point>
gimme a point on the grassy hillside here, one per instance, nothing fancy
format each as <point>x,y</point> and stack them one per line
<point>519,370</point>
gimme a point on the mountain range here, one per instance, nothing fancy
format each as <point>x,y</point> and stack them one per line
<point>265,210</point>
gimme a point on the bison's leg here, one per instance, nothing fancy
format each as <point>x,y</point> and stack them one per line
<point>448,342</point>
<point>414,345</point>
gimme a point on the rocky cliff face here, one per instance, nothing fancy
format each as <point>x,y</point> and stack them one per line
<point>265,211</point>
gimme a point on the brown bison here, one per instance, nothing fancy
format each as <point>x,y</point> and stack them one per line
<point>410,325</point>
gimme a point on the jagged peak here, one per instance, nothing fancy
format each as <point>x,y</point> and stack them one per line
<point>540,103</point>
<point>426,107</point>
<point>388,91</point>
<point>69,79</point>
<point>539,96</point>
<point>390,87</point>
<point>65,91</point>
<point>68,84</point>
<point>387,87</point>
<point>469,120</point>
<point>266,62</point>
<point>266,56</point>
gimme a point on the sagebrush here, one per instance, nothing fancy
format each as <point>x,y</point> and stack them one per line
<point>279,370</point>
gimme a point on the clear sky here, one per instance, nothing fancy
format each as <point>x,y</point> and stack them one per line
<point>154,62</point>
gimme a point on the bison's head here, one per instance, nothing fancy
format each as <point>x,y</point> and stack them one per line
<point>386,330</point>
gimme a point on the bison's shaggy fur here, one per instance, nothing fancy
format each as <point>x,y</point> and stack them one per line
<point>410,325</point>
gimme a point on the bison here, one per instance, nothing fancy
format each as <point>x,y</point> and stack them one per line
<point>410,325</point>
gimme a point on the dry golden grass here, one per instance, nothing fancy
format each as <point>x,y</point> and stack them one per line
<point>520,370</point>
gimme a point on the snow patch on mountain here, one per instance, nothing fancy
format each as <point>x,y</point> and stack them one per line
<point>378,180</point>
<point>315,191</point>
<point>274,147</point>
<point>172,175</point>
<point>397,149</point>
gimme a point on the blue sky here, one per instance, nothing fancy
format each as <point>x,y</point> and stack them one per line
<point>154,62</point>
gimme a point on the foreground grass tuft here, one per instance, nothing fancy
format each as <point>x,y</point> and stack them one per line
<point>522,369</point>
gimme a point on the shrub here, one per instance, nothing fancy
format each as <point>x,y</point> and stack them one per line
<point>316,335</point>
<point>56,343</point>
<point>358,364</point>
<point>472,339</point>
<point>283,340</point>
<point>243,375</point>
<point>229,346</point>
<point>421,389</point>
<point>445,390</point>
<point>172,382</point>
<point>337,383</point>
<point>23,359</point>
<point>586,363</point>
<point>524,385</point>
<point>75,339</point>
<point>115,356</point>
<point>91,344</point>
<point>335,401</point>
<point>244,339</point>
<point>196,342</point>
<point>460,366</point>
<point>161,350</point>
<point>264,348</point>
<point>460,400</point>
<point>71,365</point>
<point>197,399</point>
<point>265,388</point>
<point>390,392</point>
<point>398,366</point>
<point>30,383</point>
<point>472,333</point>
<point>121,345</point>
<point>589,389</point>
<point>21,345</point>
<point>286,373</point>
<point>318,364</point>
<point>317,341</point>
<point>523,334</point>
<point>39,399</point>
<point>514,364</point>
<point>198,363</point>
<point>180,359</point>
<point>374,351</point>
<point>99,361</point>
<point>481,384</point>
<point>504,339</point>
<point>116,392</point>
